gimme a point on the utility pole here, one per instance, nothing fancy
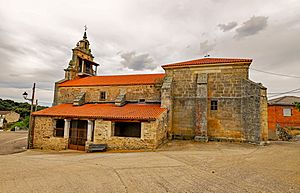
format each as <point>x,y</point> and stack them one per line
<point>36,105</point>
<point>29,139</point>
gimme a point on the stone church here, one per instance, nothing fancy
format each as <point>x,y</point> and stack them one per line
<point>203,99</point>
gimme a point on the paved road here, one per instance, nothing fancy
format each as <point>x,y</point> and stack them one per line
<point>12,142</point>
<point>176,167</point>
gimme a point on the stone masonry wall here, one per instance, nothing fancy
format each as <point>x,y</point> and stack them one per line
<point>134,92</point>
<point>152,135</point>
<point>183,96</point>
<point>12,117</point>
<point>225,87</point>
<point>43,135</point>
<point>224,84</point>
<point>254,112</point>
<point>264,114</point>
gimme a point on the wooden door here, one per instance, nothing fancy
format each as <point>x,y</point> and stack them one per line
<point>78,135</point>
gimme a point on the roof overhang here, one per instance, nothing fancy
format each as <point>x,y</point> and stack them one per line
<point>142,112</point>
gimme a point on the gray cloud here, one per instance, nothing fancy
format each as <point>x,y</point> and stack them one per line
<point>135,61</point>
<point>205,47</point>
<point>252,26</point>
<point>36,44</point>
<point>228,26</point>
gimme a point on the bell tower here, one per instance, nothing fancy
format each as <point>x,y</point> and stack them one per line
<point>81,64</point>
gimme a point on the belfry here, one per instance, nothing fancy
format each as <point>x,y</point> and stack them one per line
<point>81,64</point>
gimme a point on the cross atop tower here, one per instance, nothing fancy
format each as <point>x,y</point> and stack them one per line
<point>84,35</point>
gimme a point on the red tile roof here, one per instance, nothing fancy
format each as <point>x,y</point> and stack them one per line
<point>203,61</point>
<point>136,79</point>
<point>104,111</point>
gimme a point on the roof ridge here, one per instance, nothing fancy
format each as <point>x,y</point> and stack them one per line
<point>208,61</point>
<point>131,79</point>
<point>131,74</point>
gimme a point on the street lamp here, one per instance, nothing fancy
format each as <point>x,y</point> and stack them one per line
<point>25,95</point>
<point>29,139</point>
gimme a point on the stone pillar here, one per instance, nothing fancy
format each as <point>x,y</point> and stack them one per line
<point>67,128</point>
<point>82,66</point>
<point>201,108</point>
<point>142,130</point>
<point>89,130</point>
<point>166,102</point>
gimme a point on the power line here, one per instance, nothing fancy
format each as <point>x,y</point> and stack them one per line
<point>277,74</point>
<point>272,93</point>
<point>291,91</point>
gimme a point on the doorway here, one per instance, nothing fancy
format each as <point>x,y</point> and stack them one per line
<point>78,135</point>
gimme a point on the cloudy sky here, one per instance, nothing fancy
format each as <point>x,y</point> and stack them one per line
<point>138,36</point>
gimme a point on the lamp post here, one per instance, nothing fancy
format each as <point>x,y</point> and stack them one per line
<point>25,95</point>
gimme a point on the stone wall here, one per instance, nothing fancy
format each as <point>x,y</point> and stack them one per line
<point>264,114</point>
<point>254,111</point>
<point>43,135</point>
<point>153,133</point>
<point>133,92</point>
<point>224,86</point>
<point>183,102</point>
<point>192,92</point>
<point>12,117</point>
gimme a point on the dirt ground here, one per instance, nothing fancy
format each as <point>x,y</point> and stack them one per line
<point>178,166</point>
<point>12,142</point>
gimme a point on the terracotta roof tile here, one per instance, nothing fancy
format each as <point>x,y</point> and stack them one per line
<point>136,79</point>
<point>104,111</point>
<point>203,61</point>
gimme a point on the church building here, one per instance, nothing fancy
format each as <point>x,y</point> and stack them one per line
<point>203,99</point>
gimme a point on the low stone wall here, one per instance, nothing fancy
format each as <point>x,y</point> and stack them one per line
<point>152,135</point>
<point>43,135</point>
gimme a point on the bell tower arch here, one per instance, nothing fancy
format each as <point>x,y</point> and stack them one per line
<point>81,64</point>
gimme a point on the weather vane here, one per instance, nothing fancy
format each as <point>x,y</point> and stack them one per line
<point>85,28</point>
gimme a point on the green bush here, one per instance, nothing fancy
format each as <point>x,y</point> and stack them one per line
<point>297,105</point>
<point>22,124</point>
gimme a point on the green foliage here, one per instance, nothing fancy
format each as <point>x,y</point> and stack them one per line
<point>297,105</point>
<point>22,124</point>
<point>22,108</point>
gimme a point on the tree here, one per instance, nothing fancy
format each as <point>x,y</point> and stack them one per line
<point>22,108</point>
<point>297,105</point>
<point>22,124</point>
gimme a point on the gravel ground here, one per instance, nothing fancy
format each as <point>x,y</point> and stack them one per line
<point>179,166</point>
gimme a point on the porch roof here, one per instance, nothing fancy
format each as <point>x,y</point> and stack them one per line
<point>104,111</point>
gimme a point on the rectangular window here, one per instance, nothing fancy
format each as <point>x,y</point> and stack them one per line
<point>59,128</point>
<point>214,105</point>
<point>287,112</point>
<point>127,129</point>
<point>142,100</point>
<point>102,95</point>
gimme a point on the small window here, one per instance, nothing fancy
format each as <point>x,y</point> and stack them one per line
<point>142,100</point>
<point>59,128</point>
<point>102,95</point>
<point>127,129</point>
<point>214,105</point>
<point>287,112</point>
